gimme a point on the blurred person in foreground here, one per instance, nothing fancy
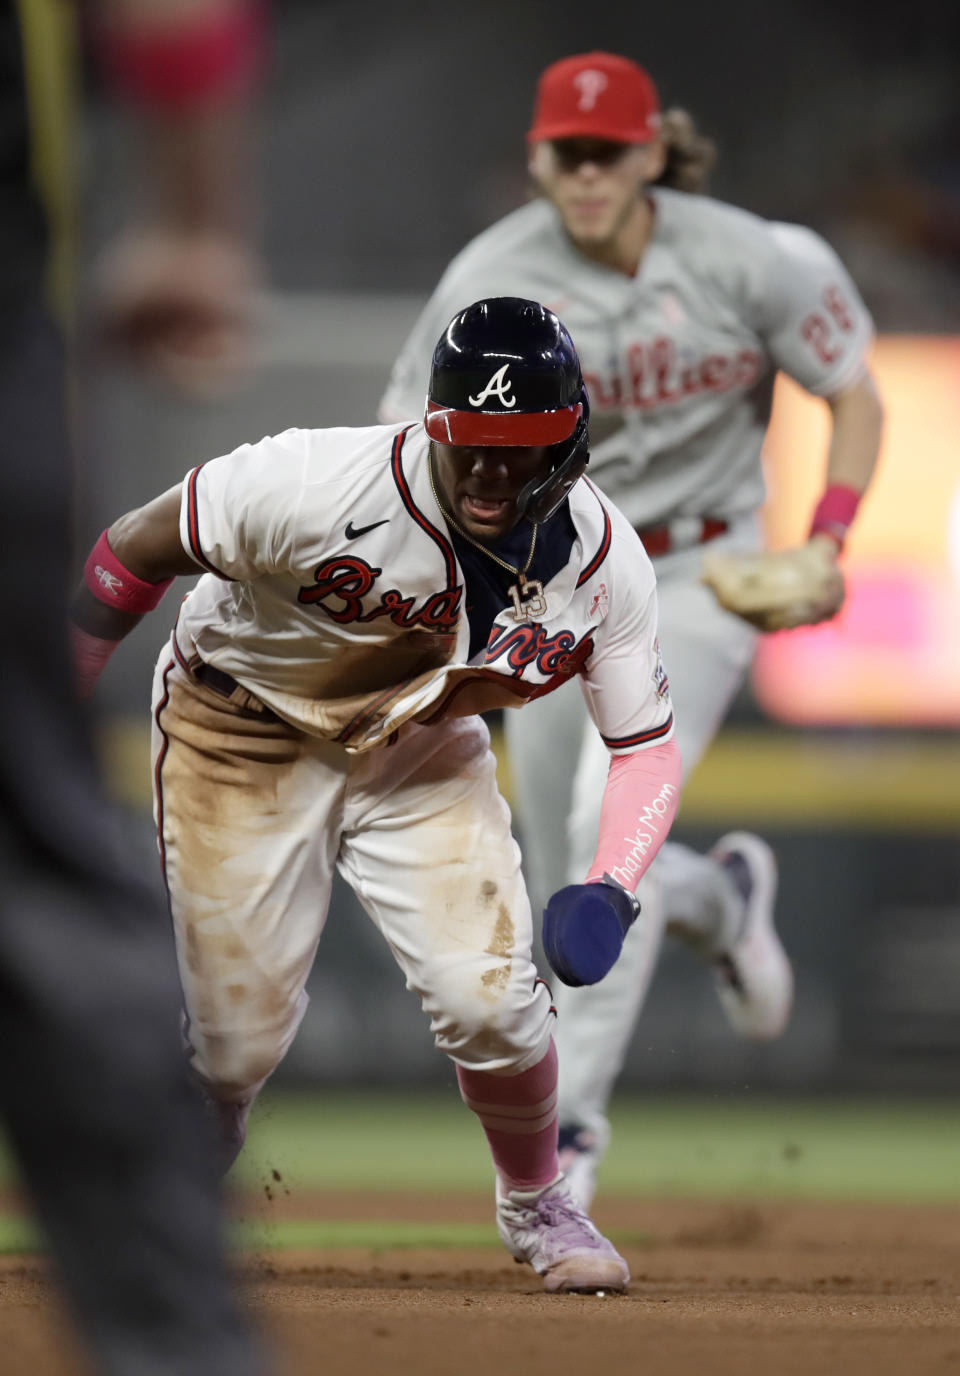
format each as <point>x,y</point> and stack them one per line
<point>683,310</point>
<point>109,1132</point>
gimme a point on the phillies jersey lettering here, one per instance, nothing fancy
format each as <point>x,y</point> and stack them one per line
<point>655,376</point>
<point>680,359</point>
<point>351,648</point>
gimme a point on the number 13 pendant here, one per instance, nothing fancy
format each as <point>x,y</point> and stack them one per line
<point>527,598</point>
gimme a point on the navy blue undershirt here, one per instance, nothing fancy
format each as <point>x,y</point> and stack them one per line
<point>487,583</point>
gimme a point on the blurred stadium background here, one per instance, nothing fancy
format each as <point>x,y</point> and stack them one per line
<point>390,135</point>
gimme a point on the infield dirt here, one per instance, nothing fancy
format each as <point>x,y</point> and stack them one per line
<point>727,1289</point>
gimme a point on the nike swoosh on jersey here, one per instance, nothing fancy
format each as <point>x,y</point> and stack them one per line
<point>353,532</point>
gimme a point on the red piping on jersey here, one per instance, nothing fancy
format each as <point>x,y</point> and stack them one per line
<point>179,655</point>
<point>157,779</point>
<point>553,1006</point>
<point>641,738</point>
<point>186,665</point>
<point>193,526</point>
<point>399,477</point>
<point>367,713</point>
<point>604,549</point>
<point>483,676</point>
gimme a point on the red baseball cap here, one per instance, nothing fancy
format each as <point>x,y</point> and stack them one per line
<point>596,95</point>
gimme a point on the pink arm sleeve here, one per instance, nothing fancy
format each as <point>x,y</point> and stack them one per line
<point>639,804</point>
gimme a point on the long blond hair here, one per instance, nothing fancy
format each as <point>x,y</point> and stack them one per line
<point>690,156</point>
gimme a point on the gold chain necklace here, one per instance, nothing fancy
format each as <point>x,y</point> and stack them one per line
<point>525,594</point>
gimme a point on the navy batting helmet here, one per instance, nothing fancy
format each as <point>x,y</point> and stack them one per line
<point>505,372</point>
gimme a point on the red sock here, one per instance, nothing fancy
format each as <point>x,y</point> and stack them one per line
<point>519,1116</point>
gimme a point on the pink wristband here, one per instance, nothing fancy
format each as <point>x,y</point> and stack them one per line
<point>835,512</point>
<point>114,585</point>
<point>177,66</point>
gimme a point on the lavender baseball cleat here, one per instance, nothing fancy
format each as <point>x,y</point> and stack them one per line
<point>548,1229</point>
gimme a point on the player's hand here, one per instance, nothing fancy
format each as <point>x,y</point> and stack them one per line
<point>774,592</point>
<point>180,306</point>
<point>583,930</point>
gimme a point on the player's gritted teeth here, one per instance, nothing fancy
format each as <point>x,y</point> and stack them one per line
<point>480,484</point>
<point>485,508</point>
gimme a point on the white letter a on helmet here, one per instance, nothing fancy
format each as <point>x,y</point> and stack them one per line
<point>499,385</point>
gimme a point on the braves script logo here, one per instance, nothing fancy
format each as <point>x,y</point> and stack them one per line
<point>341,584</point>
<point>107,580</point>
<point>519,646</point>
<point>649,824</point>
<point>589,83</point>
<point>499,385</point>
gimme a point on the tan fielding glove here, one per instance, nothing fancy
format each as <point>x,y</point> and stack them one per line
<point>794,587</point>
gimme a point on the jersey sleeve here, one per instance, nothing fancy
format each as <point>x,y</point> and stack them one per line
<point>815,323</point>
<point>238,513</point>
<point>624,684</point>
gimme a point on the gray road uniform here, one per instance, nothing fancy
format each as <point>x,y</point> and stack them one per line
<point>680,362</point>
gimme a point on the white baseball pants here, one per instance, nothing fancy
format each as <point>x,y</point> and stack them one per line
<point>253,818</point>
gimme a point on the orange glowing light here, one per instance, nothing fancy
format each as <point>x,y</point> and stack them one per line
<point>892,656</point>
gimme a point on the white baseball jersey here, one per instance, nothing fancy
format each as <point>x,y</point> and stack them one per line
<point>680,360</point>
<point>334,595</point>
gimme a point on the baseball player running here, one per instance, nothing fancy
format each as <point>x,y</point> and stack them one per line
<point>682,309</point>
<point>365,593</point>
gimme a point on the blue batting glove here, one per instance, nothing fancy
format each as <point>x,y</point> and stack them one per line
<point>583,930</point>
